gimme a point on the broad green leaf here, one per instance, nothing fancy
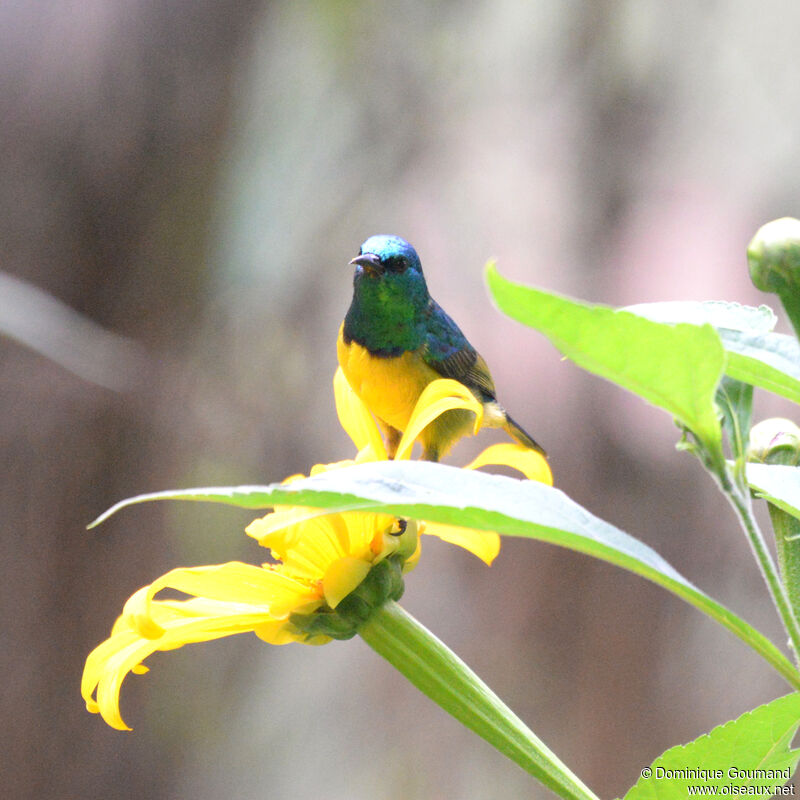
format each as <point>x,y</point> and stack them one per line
<point>776,484</point>
<point>675,367</point>
<point>755,354</point>
<point>751,751</point>
<point>439,493</point>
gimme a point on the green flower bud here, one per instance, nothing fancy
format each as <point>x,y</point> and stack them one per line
<point>773,256</point>
<point>775,441</point>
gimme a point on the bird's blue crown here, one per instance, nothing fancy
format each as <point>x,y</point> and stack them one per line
<point>387,247</point>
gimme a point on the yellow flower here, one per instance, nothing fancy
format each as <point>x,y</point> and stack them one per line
<point>324,559</point>
<point>331,570</point>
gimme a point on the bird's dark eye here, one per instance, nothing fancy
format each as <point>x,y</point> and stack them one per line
<point>396,263</point>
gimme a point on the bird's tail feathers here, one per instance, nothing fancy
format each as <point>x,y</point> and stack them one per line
<point>516,432</point>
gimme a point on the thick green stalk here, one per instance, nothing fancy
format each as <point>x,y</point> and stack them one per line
<point>440,674</point>
<point>776,441</point>
<point>744,509</point>
<point>790,298</point>
<point>784,450</point>
<point>787,543</point>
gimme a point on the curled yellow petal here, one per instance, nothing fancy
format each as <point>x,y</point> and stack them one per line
<point>439,396</point>
<point>109,663</point>
<point>355,418</point>
<point>483,544</point>
<point>137,616</point>
<point>95,662</point>
<point>531,464</point>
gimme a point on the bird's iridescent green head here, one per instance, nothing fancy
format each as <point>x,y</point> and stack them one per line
<point>389,296</point>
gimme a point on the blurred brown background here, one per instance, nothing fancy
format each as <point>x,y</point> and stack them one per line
<point>192,178</point>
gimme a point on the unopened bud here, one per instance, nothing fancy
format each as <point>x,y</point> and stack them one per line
<point>775,441</point>
<point>773,256</point>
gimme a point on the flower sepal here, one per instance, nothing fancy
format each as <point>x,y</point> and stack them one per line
<point>383,582</point>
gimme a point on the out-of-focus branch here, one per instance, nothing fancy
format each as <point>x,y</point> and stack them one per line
<point>41,322</point>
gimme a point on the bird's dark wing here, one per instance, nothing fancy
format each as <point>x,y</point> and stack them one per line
<point>447,351</point>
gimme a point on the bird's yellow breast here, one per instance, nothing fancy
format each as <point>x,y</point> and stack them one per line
<point>389,387</point>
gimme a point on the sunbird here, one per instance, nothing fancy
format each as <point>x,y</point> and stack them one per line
<point>396,339</point>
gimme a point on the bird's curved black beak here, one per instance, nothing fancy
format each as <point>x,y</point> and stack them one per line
<point>370,262</point>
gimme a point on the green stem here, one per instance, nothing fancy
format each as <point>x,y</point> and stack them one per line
<point>783,450</point>
<point>441,675</point>
<point>787,544</point>
<point>790,298</point>
<point>744,510</point>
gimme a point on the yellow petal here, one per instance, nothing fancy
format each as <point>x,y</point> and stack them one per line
<point>288,519</point>
<point>531,464</point>
<point>109,663</point>
<point>137,616</point>
<point>484,544</point>
<point>205,619</point>
<point>355,417</point>
<point>342,577</point>
<point>368,454</point>
<point>95,662</point>
<point>439,396</point>
<point>366,530</point>
<point>277,632</point>
<point>234,582</point>
<point>168,613</point>
<point>319,542</point>
<point>216,609</point>
<point>317,468</point>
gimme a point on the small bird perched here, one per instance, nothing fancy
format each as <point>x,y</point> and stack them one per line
<point>396,339</point>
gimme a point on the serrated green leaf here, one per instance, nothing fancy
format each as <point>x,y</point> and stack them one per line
<point>768,360</point>
<point>439,493</point>
<point>776,484</point>
<point>675,367</point>
<point>719,313</point>
<point>755,355</point>
<point>240,496</point>
<point>751,752</point>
